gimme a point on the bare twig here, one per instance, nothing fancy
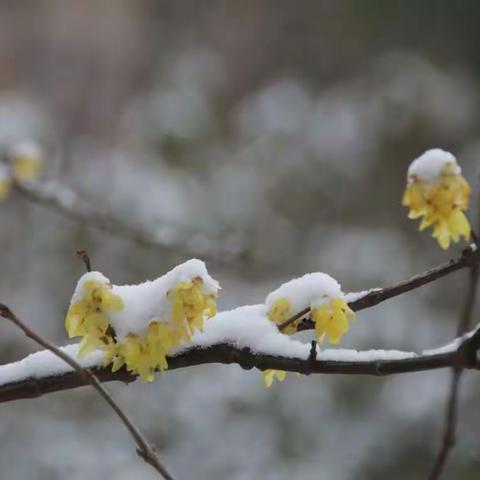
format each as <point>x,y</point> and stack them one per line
<point>144,450</point>
<point>85,258</point>
<point>469,257</point>
<point>247,359</point>
<point>451,415</point>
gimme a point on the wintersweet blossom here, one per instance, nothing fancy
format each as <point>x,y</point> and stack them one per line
<point>190,307</point>
<point>332,319</point>
<point>5,181</point>
<point>279,312</point>
<point>269,376</point>
<point>26,159</point>
<point>145,354</point>
<point>437,192</point>
<point>138,326</point>
<point>323,296</point>
<point>88,315</point>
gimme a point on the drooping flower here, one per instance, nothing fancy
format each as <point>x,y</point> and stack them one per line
<point>280,312</point>
<point>270,375</point>
<point>190,307</point>
<point>26,159</point>
<point>138,326</point>
<point>437,192</point>
<point>144,356</point>
<point>5,181</point>
<point>323,296</point>
<point>88,315</point>
<point>331,319</point>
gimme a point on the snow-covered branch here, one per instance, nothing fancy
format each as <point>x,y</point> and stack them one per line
<point>361,300</point>
<point>42,372</point>
<point>245,336</point>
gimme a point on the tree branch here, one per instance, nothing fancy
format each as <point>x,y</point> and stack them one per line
<point>451,415</point>
<point>470,257</point>
<point>83,255</point>
<point>228,354</point>
<point>144,450</point>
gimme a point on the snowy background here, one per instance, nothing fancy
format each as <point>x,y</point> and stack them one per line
<point>277,133</point>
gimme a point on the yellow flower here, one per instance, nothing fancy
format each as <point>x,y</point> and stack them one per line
<point>270,374</point>
<point>440,199</point>
<point>190,307</point>
<point>321,294</point>
<point>88,317</point>
<point>27,161</point>
<point>281,311</point>
<point>144,355</point>
<point>27,168</point>
<point>5,181</point>
<point>5,188</point>
<point>332,320</point>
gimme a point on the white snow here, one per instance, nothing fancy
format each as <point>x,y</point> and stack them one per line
<point>246,326</point>
<point>313,289</point>
<point>249,326</point>
<point>355,296</point>
<point>428,166</point>
<point>453,345</point>
<point>27,149</point>
<point>45,363</point>
<point>88,277</point>
<point>148,301</point>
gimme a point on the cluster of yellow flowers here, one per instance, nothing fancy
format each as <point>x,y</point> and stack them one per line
<point>88,317</point>
<point>329,311</point>
<point>92,316</point>
<point>437,192</point>
<point>25,161</point>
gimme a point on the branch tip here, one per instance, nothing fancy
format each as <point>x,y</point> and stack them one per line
<point>85,258</point>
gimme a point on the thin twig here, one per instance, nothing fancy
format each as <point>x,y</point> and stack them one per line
<point>144,450</point>
<point>470,256</point>
<point>85,258</point>
<point>451,415</point>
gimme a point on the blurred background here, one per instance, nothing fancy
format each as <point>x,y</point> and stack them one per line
<point>272,139</point>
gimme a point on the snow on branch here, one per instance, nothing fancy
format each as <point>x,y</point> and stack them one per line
<point>246,336</point>
<point>226,341</point>
<point>359,301</point>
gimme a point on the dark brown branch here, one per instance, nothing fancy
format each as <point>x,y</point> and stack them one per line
<point>451,415</point>
<point>470,256</point>
<point>85,259</point>
<point>228,354</point>
<point>144,449</point>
